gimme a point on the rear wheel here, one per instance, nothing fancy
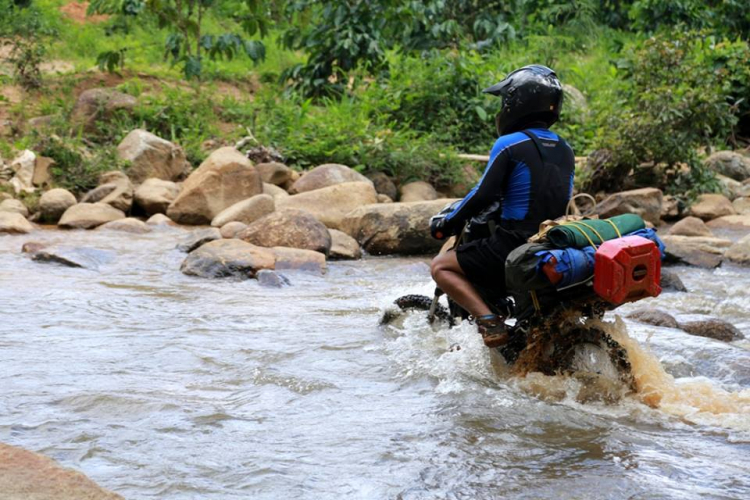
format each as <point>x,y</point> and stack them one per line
<point>424,303</point>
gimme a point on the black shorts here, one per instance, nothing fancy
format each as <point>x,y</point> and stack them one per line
<point>483,261</point>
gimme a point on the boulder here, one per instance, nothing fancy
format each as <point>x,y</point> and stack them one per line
<point>198,238</point>
<point>230,229</point>
<point>732,222</point>
<point>343,246</point>
<point>114,189</point>
<point>331,204</point>
<point>246,211</point>
<point>383,184</point>
<point>395,228</point>
<point>733,165</point>
<point>739,252</point>
<point>89,216</point>
<point>274,173</point>
<point>33,246</point>
<point>671,282</point>
<point>151,156</point>
<point>671,208</point>
<point>83,257</point>
<point>155,195</point>
<point>714,329</point>
<point>695,251</point>
<point>42,174</point>
<point>54,203</point>
<point>690,226</point>
<point>646,202</point>
<point>654,317</point>
<point>299,260</point>
<point>418,191</point>
<point>14,223</point>
<point>712,206</point>
<point>228,258</point>
<point>29,476</point>
<point>382,198</point>
<point>326,175</point>
<point>160,220</point>
<point>271,279</point>
<point>98,105</point>
<point>127,225</point>
<point>223,179</point>
<point>23,169</point>
<point>730,187</point>
<point>742,205</point>
<point>288,228</point>
<point>14,206</point>
<point>274,191</point>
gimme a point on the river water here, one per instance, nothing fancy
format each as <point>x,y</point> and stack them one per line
<point>158,385</point>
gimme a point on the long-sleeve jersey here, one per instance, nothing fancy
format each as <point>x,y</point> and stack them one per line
<point>530,173</point>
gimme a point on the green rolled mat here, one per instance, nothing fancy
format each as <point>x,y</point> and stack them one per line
<point>571,234</point>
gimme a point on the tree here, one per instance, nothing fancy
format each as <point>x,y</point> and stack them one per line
<point>25,30</point>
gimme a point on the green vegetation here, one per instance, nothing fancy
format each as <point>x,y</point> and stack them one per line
<point>395,85</point>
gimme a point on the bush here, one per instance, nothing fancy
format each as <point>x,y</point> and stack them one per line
<point>76,167</point>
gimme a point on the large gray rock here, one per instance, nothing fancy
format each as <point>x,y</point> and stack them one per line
<point>418,191</point>
<point>271,279</point>
<point>299,260</point>
<point>114,189</point>
<point>155,195</point>
<point>198,238</point>
<point>691,226</point>
<point>223,179</point>
<point>89,216</point>
<point>84,257</point>
<point>54,203</point>
<point>14,206</point>
<point>332,203</point>
<point>712,206</point>
<point>100,105</point>
<point>383,185</point>
<point>288,228</point>
<point>326,175</point>
<point>151,156</point>
<point>654,317</point>
<point>343,246</point>
<point>713,328</point>
<point>246,211</point>
<point>739,253</point>
<point>14,223</point>
<point>395,228</point>
<point>274,173</point>
<point>729,163</point>
<point>695,251</point>
<point>671,282</point>
<point>228,258</point>
<point>646,202</point>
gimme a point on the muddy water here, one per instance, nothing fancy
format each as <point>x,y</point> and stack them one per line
<point>157,385</point>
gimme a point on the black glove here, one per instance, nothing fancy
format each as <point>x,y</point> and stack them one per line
<point>437,227</point>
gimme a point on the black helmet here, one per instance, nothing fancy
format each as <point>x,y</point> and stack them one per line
<point>530,94</point>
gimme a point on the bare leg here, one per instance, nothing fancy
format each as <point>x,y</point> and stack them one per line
<point>449,276</point>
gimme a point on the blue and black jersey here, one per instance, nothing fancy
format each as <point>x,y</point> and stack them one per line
<point>530,173</point>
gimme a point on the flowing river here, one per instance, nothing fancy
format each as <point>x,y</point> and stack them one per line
<point>159,385</point>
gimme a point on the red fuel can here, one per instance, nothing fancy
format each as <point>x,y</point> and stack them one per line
<point>627,269</point>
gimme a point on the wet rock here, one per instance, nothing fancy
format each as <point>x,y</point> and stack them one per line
<point>418,191</point>
<point>230,229</point>
<point>100,105</point>
<point>127,225</point>
<point>384,199</point>
<point>272,279</point>
<point>151,156</point>
<point>29,476</point>
<point>695,251</point>
<point>739,253</point>
<point>246,211</point>
<point>155,195</point>
<point>160,220</point>
<point>42,174</point>
<point>228,258</point>
<point>197,238</point>
<point>729,163</point>
<point>326,175</point>
<point>274,191</point>
<point>395,228</point>
<point>713,328</point>
<point>343,246</point>
<point>14,206</point>
<point>646,202</point>
<point>89,216</point>
<point>671,282</point>
<point>654,317</point>
<point>712,206</point>
<point>114,189</point>
<point>383,185</point>
<point>84,257</point>
<point>274,173</point>
<point>288,228</point>
<point>33,246</point>
<point>54,203</point>
<point>14,223</point>
<point>731,222</point>
<point>691,226</point>
<point>223,179</point>
<point>331,204</point>
<point>23,168</point>
<point>742,205</point>
<point>299,260</point>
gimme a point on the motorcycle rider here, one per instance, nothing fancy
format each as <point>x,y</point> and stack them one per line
<point>530,173</point>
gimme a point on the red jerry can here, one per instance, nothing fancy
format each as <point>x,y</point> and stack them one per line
<point>627,269</point>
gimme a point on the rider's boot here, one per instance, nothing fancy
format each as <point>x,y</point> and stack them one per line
<point>493,330</point>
